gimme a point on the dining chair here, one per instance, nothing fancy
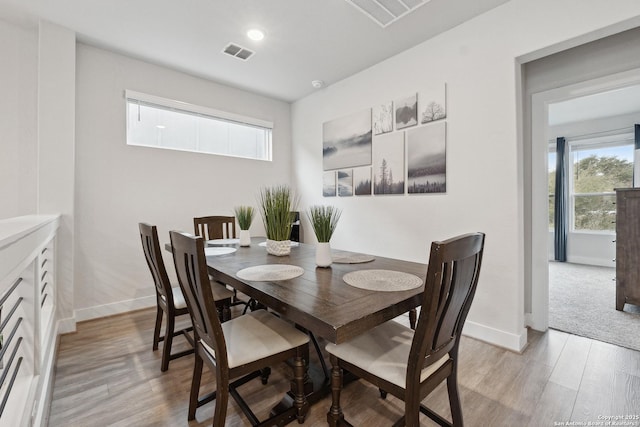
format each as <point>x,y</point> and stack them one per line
<point>220,227</point>
<point>215,227</point>
<point>411,364</point>
<point>169,299</point>
<point>237,349</point>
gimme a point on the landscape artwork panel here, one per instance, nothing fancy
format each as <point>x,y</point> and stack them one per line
<point>427,154</point>
<point>406,112</point>
<point>432,103</point>
<point>362,181</point>
<point>345,182</point>
<point>329,184</point>
<point>346,142</point>
<point>382,118</point>
<point>388,163</point>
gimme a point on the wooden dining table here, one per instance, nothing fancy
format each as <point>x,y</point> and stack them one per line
<point>319,300</point>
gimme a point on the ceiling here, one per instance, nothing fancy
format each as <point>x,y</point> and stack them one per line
<point>610,103</point>
<point>305,40</point>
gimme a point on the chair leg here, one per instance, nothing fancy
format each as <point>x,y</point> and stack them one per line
<point>383,393</point>
<point>335,416</point>
<point>195,387</point>
<point>168,341</point>
<point>222,401</point>
<point>454,399</point>
<point>156,331</point>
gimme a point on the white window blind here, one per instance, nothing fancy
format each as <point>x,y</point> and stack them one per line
<point>158,122</point>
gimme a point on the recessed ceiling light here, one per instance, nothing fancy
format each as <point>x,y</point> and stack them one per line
<point>255,34</point>
<point>317,84</point>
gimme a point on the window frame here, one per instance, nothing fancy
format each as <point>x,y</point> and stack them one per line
<point>618,139</point>
<point>153,101</point>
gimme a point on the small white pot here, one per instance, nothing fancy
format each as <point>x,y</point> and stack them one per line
<point>323,254</point>
<point>245,238</point>
<point>279,247</point>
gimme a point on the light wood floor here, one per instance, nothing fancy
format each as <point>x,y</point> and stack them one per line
<point>107,375</point>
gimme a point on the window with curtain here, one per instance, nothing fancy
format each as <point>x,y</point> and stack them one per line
<point>163,123</point>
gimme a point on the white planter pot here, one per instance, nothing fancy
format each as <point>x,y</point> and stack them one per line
<point>279,247</point>
<point>245,238</point>
<point>323,254</point>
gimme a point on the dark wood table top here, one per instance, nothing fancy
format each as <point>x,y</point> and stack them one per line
<point>319,300</point>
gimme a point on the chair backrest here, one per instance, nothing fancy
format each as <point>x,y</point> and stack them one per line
<point>153,255</point>
<point>450,285</point>
<point>191,269</point>
<point>215,227</point>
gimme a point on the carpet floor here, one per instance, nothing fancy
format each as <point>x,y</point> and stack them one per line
<point>582,301</point>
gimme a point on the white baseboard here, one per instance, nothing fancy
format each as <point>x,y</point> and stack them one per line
<point>66,326</point>
<point>119,307</point>
<point>514,342</point>
<point>591,261</point>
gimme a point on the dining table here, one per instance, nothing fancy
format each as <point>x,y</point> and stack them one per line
<point>318,299</point>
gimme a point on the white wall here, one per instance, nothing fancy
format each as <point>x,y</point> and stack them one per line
<point>118,186</point>
<point>485,180</point>
<point>56,146</point>
<point>18,120</point>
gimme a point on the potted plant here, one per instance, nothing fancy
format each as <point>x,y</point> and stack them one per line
<point>324,220</point>
<point>276,206</point>
<point>244,215</point>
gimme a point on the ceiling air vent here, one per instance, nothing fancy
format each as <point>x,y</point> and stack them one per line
<point>386,12</point>
<point>238,51</point>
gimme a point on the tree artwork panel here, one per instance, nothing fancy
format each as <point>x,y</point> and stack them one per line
<point>427,157</point>
<point>362,181</point>
<point>388,163</point>
<point>346,142</point>
<point>432,103</point>
<point>382,118</point>
<point>406,112</point>
<point>345,182</point>
<point>329,184</point>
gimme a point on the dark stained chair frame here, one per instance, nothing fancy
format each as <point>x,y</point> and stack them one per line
<point>452,278</point>
<point>164,297</point>
<point>191,267</point>
<point>215,227</point>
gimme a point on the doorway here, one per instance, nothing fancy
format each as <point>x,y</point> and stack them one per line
<point>587,114</point>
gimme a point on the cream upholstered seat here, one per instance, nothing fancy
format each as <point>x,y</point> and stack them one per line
<point>384,352</point>
<point>239,348</point>
<point>178,298</point>
<point>257,335</point>
<point>411,365</point>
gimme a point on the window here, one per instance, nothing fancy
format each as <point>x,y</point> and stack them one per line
<point>596,169</point>
<point>552,185</point>
<point>163,123</point>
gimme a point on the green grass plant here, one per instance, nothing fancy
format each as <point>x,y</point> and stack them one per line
<point>324,220</point>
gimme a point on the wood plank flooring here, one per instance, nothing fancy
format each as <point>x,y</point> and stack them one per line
<point>107,375</point>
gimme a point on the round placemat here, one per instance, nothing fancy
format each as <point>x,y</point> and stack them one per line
<point>218,250</point>
<point>382,280</point>
<point>270,272</point>
<point>222,242</point>
<point>351,258</point>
